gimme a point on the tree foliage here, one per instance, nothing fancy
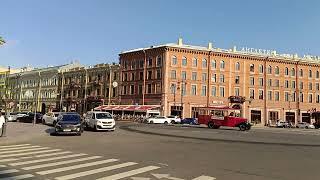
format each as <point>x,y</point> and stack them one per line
<point>2,41</point>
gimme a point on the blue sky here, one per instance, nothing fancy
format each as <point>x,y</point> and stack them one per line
<point>55,32</point>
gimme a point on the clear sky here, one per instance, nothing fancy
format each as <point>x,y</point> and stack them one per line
<point>53,32</point>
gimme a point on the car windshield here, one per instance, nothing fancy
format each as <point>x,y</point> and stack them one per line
<point>103,116</point>
<point>71,117</point>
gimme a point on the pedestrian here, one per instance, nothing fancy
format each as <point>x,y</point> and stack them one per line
<point>2,121</point>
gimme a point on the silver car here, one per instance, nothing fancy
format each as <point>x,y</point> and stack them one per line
<point>305,125</point>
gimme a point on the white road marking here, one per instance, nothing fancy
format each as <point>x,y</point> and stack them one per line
<point>76,166</point>
<point>31,157</point>
<point>129,173</point>
<point>139,178</point>
<point>8,160</point>
<point>3,166</point>
<point>28,153</point>
<point>16,145</point>
<point>17,148</point>
<point>23,150</point>
<point>94,171</point>
<point>9,171</point>
<point>24,176</point>
<point>43,160</point>
<point>204,178</point>
<point>60,163</point>
<point>53,154</point>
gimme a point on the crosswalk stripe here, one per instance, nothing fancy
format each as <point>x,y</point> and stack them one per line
<point>204,178</point>
<point>24,176</point>
<point>2,165</point>
<point>14,148</point>
<point>9,171</point>
<point>129,173</point>
<point>76,166</point>
<point>31,157</point>
<point>28,153</point>
<point>43,160</point>
<point>8,160</point>
<point>53,154</point>
<point>94,171</point>
<point>60,163</point>
<point>23,150</point>
<point>16,145</point>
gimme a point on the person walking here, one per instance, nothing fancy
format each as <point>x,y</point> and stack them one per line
<point>2,121</point>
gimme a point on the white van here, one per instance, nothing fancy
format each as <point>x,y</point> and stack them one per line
<point>98,120</point>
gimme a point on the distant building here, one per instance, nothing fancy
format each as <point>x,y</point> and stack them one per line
<point>4,71</point>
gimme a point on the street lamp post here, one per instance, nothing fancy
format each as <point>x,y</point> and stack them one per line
<point>4,127</point>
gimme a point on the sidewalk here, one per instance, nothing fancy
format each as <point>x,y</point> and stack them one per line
<point>17,132</point>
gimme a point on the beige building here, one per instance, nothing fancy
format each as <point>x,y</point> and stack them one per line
<point>182,77</point>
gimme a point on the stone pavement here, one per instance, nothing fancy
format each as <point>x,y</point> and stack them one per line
<point>18,132</point>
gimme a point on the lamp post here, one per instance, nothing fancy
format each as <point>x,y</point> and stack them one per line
<point>4,127</point>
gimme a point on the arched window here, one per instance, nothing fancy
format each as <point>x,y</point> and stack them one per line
<point>237,66</point>
<point>213,64</point>
<point>310,74</point>
<point>269,69</point>
<point>251,67</point>
<point>293,72</point>
<point>204,63</point>
<point>159,61</point>
<point>184,61</point>
<point>286,71</point>
<point>174,60</point>
<point>317,74</point>
<point>194,62</point>
<point>222,65</point>
<point>301,73</point>
<point>260,68</point>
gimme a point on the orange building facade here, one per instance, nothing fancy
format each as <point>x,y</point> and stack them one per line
<point>182,77</point>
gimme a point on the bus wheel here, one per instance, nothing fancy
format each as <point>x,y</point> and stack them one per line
<point>216,127</point>
<point>242,127</point>
<point>211,125</point>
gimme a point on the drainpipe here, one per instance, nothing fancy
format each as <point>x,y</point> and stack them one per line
<point>144,76</point>
<point>110,79</point>
<point>61,93</point>
<point>265,92</point>
<point>209,78</point>
<point>297,95</point>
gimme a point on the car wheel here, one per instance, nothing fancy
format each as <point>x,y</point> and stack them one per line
<point>43,121</point>
<point>210,125</point>
<point>79,134</point>
<point>173,122</point>
<point>242,127</point>
<point>306,127</point>
<point>248,127</point>
<point>166,122</point>
<point>151,122</point>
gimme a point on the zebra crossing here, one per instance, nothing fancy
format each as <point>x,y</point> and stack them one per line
<point>27,161</point>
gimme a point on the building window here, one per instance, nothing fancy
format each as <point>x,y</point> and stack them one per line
<point>184,61</point>
<point>310,86</point>
<point>173,88</point>
<point>317,74</point>
<point>149,88</point>
<point>251,81</point>
<point>158,88</point>
<point>260,94</point>
<point>184,75</point>
<point>310,98</point>
<point>194,62</point>
<point>286,71</point>
<point>310,74</point>
<point>214,78</point>
<point>286,84</point>
<point>140,89</point>
<point>173,74</point>
<point>237,79</point>
<point>158,74</point>
<point>293,72</point>
<point>261,68</point>
<point>317,87</point>
<point>204,77</point>
<point>293,84</point>
<point>124,90</point>
<point>269,69</point>
<point>125,77</point>
<point>276,70</point>
<point>132,77</point>
<point>270,82</point>
<point>213,91</point>
<point>260,81</point>
<point>301,97</point>
<point>221,91</point>
<point>276,96</point>
<point>286,96</point>
<point>141,75</point>
<point>318,98</point>
<point>183,89</point>
<point>251,67</point>
<point>237,66</point>
<point>222,65</point>
<point>236,91</point>
<point>141,63</point>
<point>194,76</point>
<point>174,60</point>
<point>301,73</point>
<point>204,91</point>
<point>222,78</point>
<point>159,61</point>
<point>301,85</point>
<point>194,90</point>
<point>131,89</point>
<point>150,62</point>
<point>204,63</point>
<point>149,74</point>
<point>213,64</point>
<point>270,95</point>
<point>251,93</point>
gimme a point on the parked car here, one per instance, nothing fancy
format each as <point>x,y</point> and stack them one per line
<point>158,120</point>
<point>174,119</point>
<point>12,116</point>
<point>282,124</point>
<point>21,114</point>
<point>98,120</point>
<point>50,118</point>
<point>305,125</point>
<point>28,118</point>
<point>69,123</point>
<point>189,121</point>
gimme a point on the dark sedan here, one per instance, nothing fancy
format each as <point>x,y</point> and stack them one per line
<point>29,118</point>
<point>69,123</point>
<point>192,121</point>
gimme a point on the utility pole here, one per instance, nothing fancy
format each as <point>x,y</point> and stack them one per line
<point>61,91</point>
<point>85,90</point>
<point>38,99</point>
<point>20,94</point>
<point>110,79</point>
<point>4,127</point>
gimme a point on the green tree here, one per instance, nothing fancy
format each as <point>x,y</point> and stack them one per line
<point>2,41</point>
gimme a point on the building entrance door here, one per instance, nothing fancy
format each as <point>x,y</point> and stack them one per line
<point>176,110</point>
<point>290,117</point>
<point>256,116</point>
<point>306,117</point>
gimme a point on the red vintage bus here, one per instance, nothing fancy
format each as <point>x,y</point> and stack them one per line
<point>218,116</point>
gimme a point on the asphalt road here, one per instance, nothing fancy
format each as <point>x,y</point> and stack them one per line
<point>142,152</point>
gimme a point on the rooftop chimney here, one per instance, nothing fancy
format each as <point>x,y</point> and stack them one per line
<point>210,45</point>
<point>180,42</point>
